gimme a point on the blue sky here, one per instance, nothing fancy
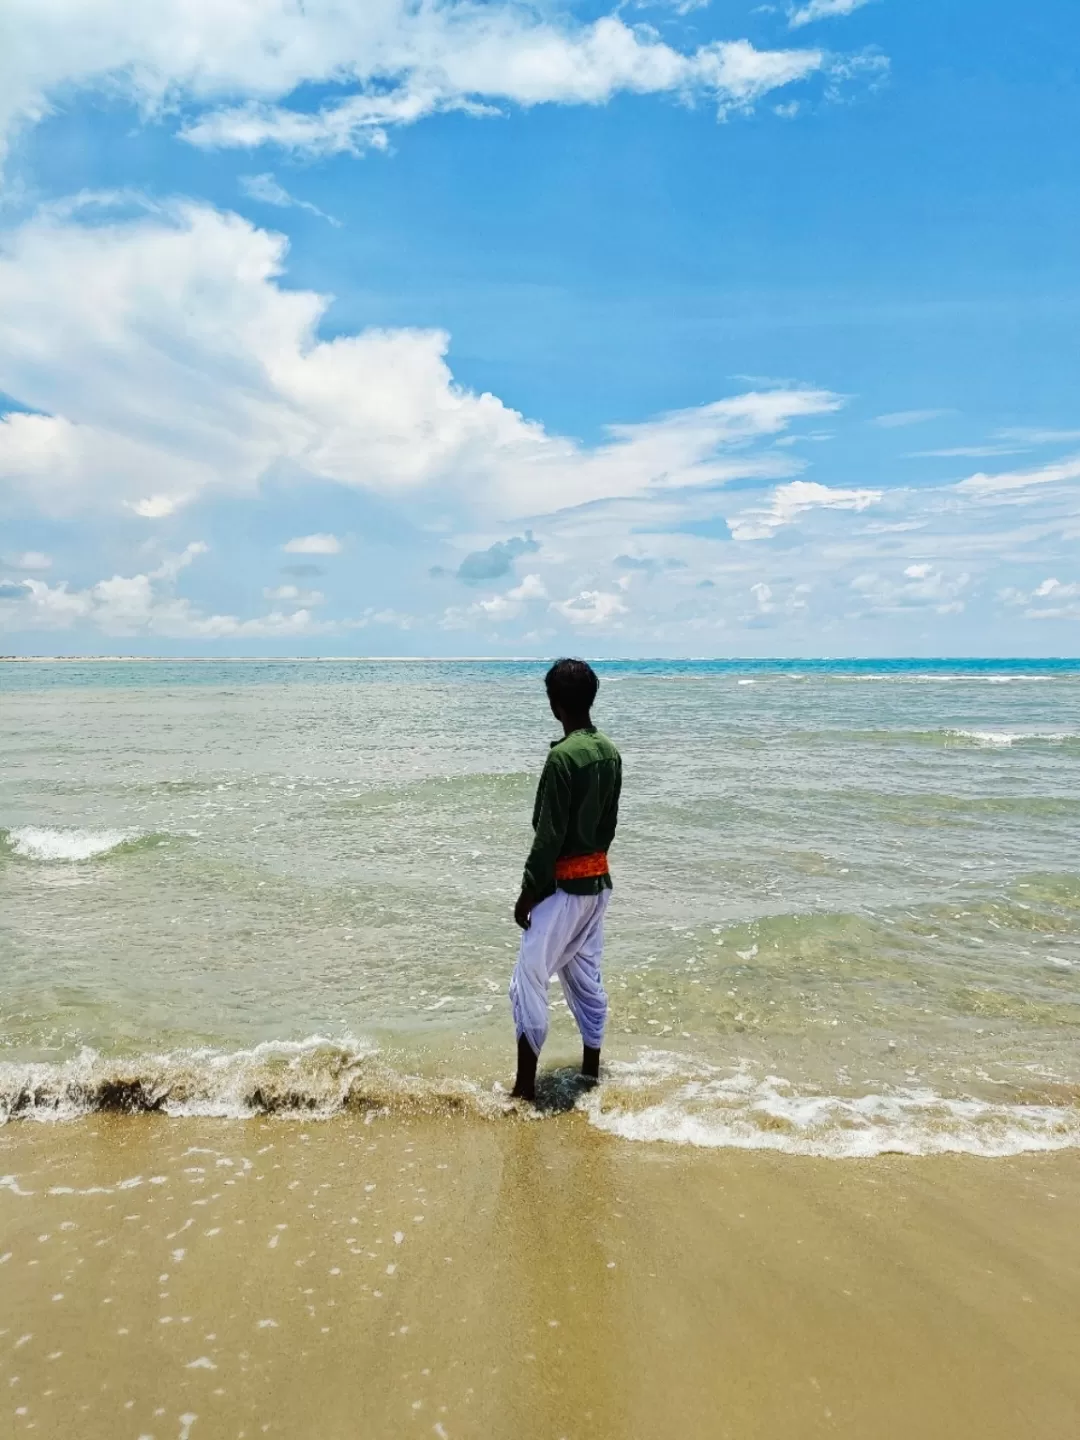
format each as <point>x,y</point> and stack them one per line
<point>481,328</point>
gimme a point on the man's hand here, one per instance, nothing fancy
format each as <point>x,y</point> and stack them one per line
<point>523,910</point>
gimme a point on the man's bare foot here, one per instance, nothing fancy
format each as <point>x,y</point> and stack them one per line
<point>525,1084</point>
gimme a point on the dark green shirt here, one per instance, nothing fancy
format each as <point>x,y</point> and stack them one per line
<point>576,811</point>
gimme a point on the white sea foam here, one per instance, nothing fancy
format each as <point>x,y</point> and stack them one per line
<point>34,842</point>
<point>1006,738</point>
<point>686,1104</point>
<point>658,1098</point>
<point>314,1078</point>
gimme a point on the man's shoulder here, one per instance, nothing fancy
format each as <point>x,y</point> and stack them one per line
<point>584,747</point>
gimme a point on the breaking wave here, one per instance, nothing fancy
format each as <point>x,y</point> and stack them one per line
<point>309,1078</point>
<point>975,739</point>
<point>41,843</point>
<point>658,1098</point>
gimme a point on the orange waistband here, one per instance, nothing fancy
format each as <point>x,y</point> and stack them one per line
<point>581,867</point>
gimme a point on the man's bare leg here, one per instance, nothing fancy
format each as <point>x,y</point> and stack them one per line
<point>590,1065</point>
<point>525,1084</point>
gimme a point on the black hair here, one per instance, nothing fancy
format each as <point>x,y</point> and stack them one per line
<point>572,686</point>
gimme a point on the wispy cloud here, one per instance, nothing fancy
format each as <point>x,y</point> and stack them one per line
<point>404,62</point>
<point>898,418</point>
<point>787,502</point>
<point>823,10</point>
<point>1010,481</point>
<point>29,560</point>
<point>268,190</point>
<point>968,452</point>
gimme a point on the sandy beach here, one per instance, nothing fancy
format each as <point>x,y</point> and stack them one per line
<point>458,1277</point>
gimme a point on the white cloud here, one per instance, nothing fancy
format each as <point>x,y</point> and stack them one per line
<point>164,346</point>
<point>991,485</point>
<point>1050,600</point>
<point>526,64</point>
<point>1033,435</point>
<point>29,560</point>
<point>590,608</point>
<point>971,452</point>
<point>823,10</point>
<point>531,588</point>
<point>138,605</point>
<point>898,418</point>
<point>313,545</point>
<point>157,507</point>
<point>788,502</point>
<point>405,59</point>
<point>1057,589</point>
<point>294,595</point>
<point>268,190</point>
<point>921,587</point>
<point>171,566</point>
<point>508,606</point>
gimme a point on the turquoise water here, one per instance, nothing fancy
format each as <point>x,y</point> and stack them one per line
<point>847,911</point>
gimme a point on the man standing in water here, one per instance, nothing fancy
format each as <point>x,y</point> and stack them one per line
<point>567,884</point>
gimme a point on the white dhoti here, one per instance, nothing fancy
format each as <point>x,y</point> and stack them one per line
<point>566,938</point>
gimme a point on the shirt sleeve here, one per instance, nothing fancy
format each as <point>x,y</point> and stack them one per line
<point>551,818</point>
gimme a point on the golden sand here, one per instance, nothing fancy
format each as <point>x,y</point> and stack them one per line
<point>461,1278</point>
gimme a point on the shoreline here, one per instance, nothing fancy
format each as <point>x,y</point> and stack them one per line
<point>475,1279</point>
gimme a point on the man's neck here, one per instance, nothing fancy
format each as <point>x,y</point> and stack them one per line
<point>576,722</point>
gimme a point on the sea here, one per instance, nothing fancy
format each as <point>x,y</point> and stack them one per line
<point>846,917</point>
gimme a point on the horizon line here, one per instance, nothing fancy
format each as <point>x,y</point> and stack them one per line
<point>109,658</point>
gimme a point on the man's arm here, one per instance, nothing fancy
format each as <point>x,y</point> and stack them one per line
<point>551,819</point>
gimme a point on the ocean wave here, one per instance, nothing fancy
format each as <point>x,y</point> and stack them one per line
<point>311,1078</point>
<point>659,1098</point>
<point>43,843</point>
<point>955,736</point>
<point>1016,737</point>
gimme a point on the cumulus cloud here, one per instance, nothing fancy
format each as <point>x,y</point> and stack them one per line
<point>508,606</point>
<point>165,346</point>
<point>787,502</point>
<point>157,507</point>
<point>294,595</point>
<point>919,587</point>
<point>496,560</point>
<point>591,608</point>
<point>313,545</point>
<point>138,605</point>
<point>1052,599</point>
<point>403,60</point>
<point>531,588</point>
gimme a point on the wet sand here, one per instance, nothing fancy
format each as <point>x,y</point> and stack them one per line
<point>465,1278</point>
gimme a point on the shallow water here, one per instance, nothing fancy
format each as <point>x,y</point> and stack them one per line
<point>847,911</point>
